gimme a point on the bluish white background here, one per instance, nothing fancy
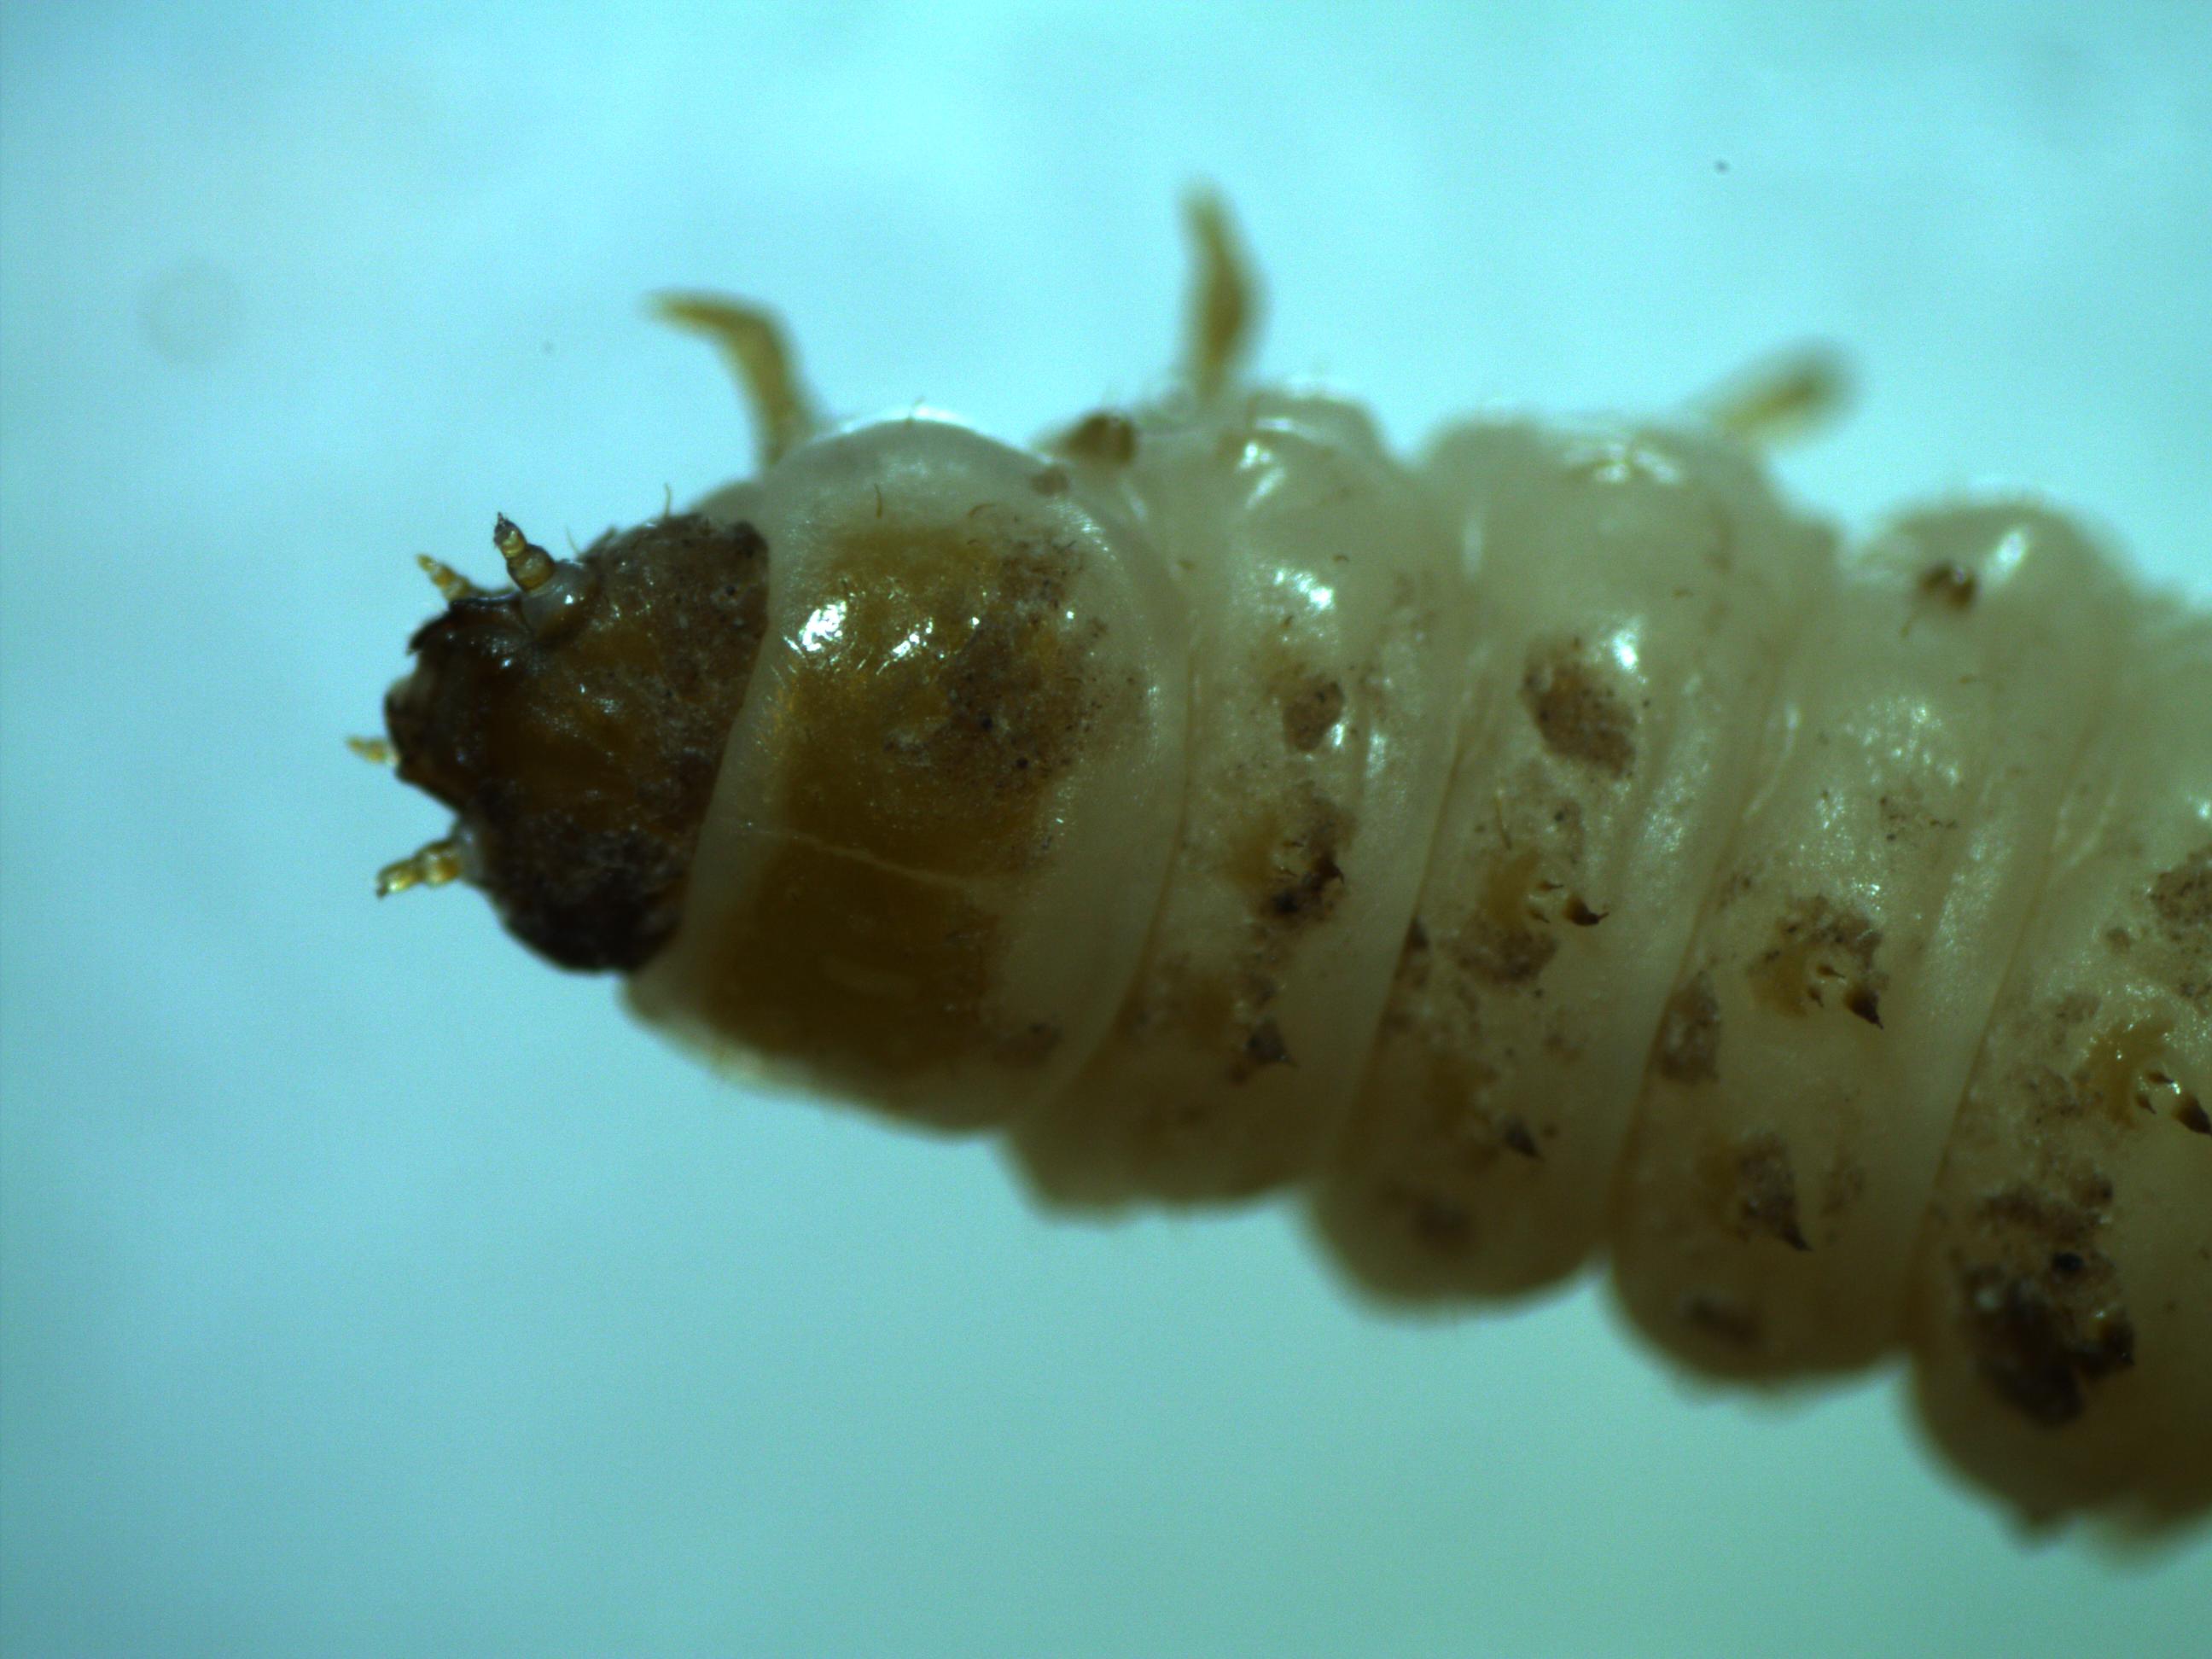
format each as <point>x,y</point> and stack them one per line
<point>370,1288</point>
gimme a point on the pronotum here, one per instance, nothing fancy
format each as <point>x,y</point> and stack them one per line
<point>1558,842</point>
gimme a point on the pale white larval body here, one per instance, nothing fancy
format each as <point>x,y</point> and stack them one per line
<point>1553,845</point>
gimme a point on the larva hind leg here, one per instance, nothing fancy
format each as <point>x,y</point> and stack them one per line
<point>1782,398</point>
<point>1225,302</point>
<point>754,345</point>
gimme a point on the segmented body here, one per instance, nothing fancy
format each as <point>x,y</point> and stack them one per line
<point>1556,845</point>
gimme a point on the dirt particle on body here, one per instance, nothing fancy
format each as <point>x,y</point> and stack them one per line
<point>1578,715</point>
<point>1821,950</point>
<point>1104,437</point>
<point>1725,1319</point>
<point>1763,1198</point>
<point>1312,704</point>
<point>1287,861</point>
<point>2182,897</point>
<point>2040,1305</point>
<point>2039,1339</point>
<point>1264,1046</point>
<point>1952,585</point>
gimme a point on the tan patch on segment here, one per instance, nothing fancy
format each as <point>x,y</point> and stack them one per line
<point>1104,437</point>
<point>1823,952</point>
<point>1688,1047</point>
<point>2122,1073</point>
<point>1312,704</point>
<point>2182,898</point>
<point>1754,1189</point>
<point>1509,939</point>
<point>1286,860</point>
<point>1578,715</point>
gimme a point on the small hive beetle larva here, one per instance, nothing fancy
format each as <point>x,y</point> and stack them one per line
<point>1558,842</point>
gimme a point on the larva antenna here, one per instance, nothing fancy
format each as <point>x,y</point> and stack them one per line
<point>753,342</point>
<point>1780,398</point>
<point>529,565</point>
<point>1224,300</point>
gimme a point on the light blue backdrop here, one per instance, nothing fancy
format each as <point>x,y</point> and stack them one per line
<point>370,1289</point>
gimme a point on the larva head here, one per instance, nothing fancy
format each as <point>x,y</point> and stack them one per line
<point>574,723</point>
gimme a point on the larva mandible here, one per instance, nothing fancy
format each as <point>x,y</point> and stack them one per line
<point>1558,840</point>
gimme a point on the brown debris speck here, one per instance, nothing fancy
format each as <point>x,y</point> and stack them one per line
<point>1265,1046</point>
<point>2032,1344</point>
<point>1287,861</point>
<point>1818,948</point>
<point>2042,1309</point>
<point>1312,704</point>
<point>1104,437</point>
<point>1950,584</point>
<point>2190,1114</point>
<point>1764,1197</point>
<point>1578,715</point>
<point>1723,1318</point>
<point>1513,1132</point>
<point>2182,898</point>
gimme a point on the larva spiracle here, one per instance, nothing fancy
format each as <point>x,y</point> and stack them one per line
<point>1558,842</point>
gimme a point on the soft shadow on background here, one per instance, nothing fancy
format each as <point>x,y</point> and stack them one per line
<point>370,1288</point>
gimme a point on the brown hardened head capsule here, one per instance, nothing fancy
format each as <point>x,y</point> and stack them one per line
<point>575,724</point>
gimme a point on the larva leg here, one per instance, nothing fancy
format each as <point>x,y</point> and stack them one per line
<point>1847,959</point>
<point>1223,300</point>
<point>2061,1317</point>
<point>452,585</point>
<point>1787,395</point>
<point>753,342</point>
